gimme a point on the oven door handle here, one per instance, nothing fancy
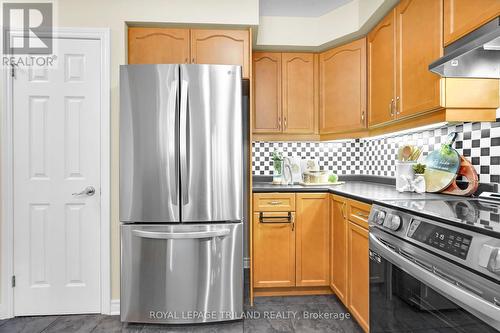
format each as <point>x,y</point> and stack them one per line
<point>478,306</point>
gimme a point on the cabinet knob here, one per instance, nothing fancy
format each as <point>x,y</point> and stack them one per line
<point>397,106</point>
<point>362,116</point>
<point>285,123</point>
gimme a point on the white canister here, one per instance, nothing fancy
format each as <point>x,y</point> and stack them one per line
<point>404,176</point>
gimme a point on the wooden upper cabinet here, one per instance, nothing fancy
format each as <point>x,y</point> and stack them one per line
<point>464,16</point>
<point>338,254</point>
<point>358,298</point>
<point>343,88</point>
<point>299,94</point>
<point>381,71</point>
<point>267,92</point>
<point>419,42</point>
<point>158,46</point>
<point>273,252</point>
<point>312,240</point>
<point>231,47</point>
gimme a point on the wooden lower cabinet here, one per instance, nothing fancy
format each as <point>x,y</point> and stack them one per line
<point>322,248</point>
<point>312,240</point>
<point>273,251</point>
<point>338,246</point>
<point>358,274</point>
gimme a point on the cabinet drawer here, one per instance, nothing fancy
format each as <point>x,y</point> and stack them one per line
<point>274,202</point>
<point>358,213</point>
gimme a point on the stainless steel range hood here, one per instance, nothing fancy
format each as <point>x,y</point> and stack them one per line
<point>476,55</point>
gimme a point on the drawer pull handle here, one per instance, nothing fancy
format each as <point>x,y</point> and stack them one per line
<point>275,219</point>
<point>274,203</point>
<point>362,215</point>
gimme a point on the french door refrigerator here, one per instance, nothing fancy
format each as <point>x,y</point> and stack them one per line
<point>181,193</point>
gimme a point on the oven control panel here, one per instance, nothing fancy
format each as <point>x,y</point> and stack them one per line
<point>449,241</point>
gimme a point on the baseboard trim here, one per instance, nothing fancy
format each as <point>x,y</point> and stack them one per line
<point>3,312</point>
<point>115,307</point>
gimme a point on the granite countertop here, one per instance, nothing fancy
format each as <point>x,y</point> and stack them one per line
<point>365,191</point>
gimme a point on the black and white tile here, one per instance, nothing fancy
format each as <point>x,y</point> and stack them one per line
<point>478,142</point>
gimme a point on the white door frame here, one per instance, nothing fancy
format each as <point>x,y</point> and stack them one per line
<point>7,172</point>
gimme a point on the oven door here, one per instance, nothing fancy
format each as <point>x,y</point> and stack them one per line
<point>408,292</point>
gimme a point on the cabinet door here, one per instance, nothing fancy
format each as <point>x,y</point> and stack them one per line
<point>312,240</point>
<point>358,298</point>
<point>229,47</point>
<point>419,42</point>
<point>463,16</point>
<point>267,92</point>
<point>381,71</point>
<point>343,88</point>
<point>158,46</point>
<point>338,255</point>
<point>299,100</point>
<point>273,251</point>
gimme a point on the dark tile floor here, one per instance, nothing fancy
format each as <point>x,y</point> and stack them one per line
<point>291,314</point>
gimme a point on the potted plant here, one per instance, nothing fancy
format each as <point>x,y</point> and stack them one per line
<point>277,158</point>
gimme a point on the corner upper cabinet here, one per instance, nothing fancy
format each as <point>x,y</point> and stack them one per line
<point>419,42</point>
<point>230,47</point>
<point>342,85</point>
<point>267,92</point>
<point>381,71</point>
<point>464,16</point>
<point>299,103</point>
<point>158,45</point>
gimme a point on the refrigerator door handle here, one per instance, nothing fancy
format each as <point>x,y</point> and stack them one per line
<point>181,235</point>
<point>184,142</point>
<point>173,185</point>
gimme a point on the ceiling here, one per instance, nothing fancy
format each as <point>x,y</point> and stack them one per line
<point>298,8</point>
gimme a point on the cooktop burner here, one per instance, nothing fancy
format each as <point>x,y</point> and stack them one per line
<point>476,212</point>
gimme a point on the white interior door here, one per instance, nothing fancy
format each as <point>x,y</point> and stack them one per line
<point>56,136</point>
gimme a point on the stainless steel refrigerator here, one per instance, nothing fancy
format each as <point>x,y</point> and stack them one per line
<point>181,193</point>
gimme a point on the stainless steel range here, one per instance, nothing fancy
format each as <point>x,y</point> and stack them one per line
<point>435,264</point>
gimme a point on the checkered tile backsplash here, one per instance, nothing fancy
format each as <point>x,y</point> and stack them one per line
<point>478,142</point>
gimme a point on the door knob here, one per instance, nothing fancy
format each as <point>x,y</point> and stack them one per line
<point>88,191</point>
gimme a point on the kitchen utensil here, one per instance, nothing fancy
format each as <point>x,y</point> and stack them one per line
<point>442,166</point>
<point>468,171</point>
<point>415,155</point>
<point>405,152</point>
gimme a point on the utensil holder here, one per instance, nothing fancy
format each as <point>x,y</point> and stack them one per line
<point>404,176</point>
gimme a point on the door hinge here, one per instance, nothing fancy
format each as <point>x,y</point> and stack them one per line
<point>13,281</point>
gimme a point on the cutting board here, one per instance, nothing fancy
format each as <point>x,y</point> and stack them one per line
<point>442,166</point>
<point>468,171</point>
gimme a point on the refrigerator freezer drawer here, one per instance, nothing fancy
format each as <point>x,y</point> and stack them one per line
<point>181,273</point>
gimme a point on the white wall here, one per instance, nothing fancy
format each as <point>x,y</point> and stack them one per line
<point>345,23</point>
<point>114,14</point>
